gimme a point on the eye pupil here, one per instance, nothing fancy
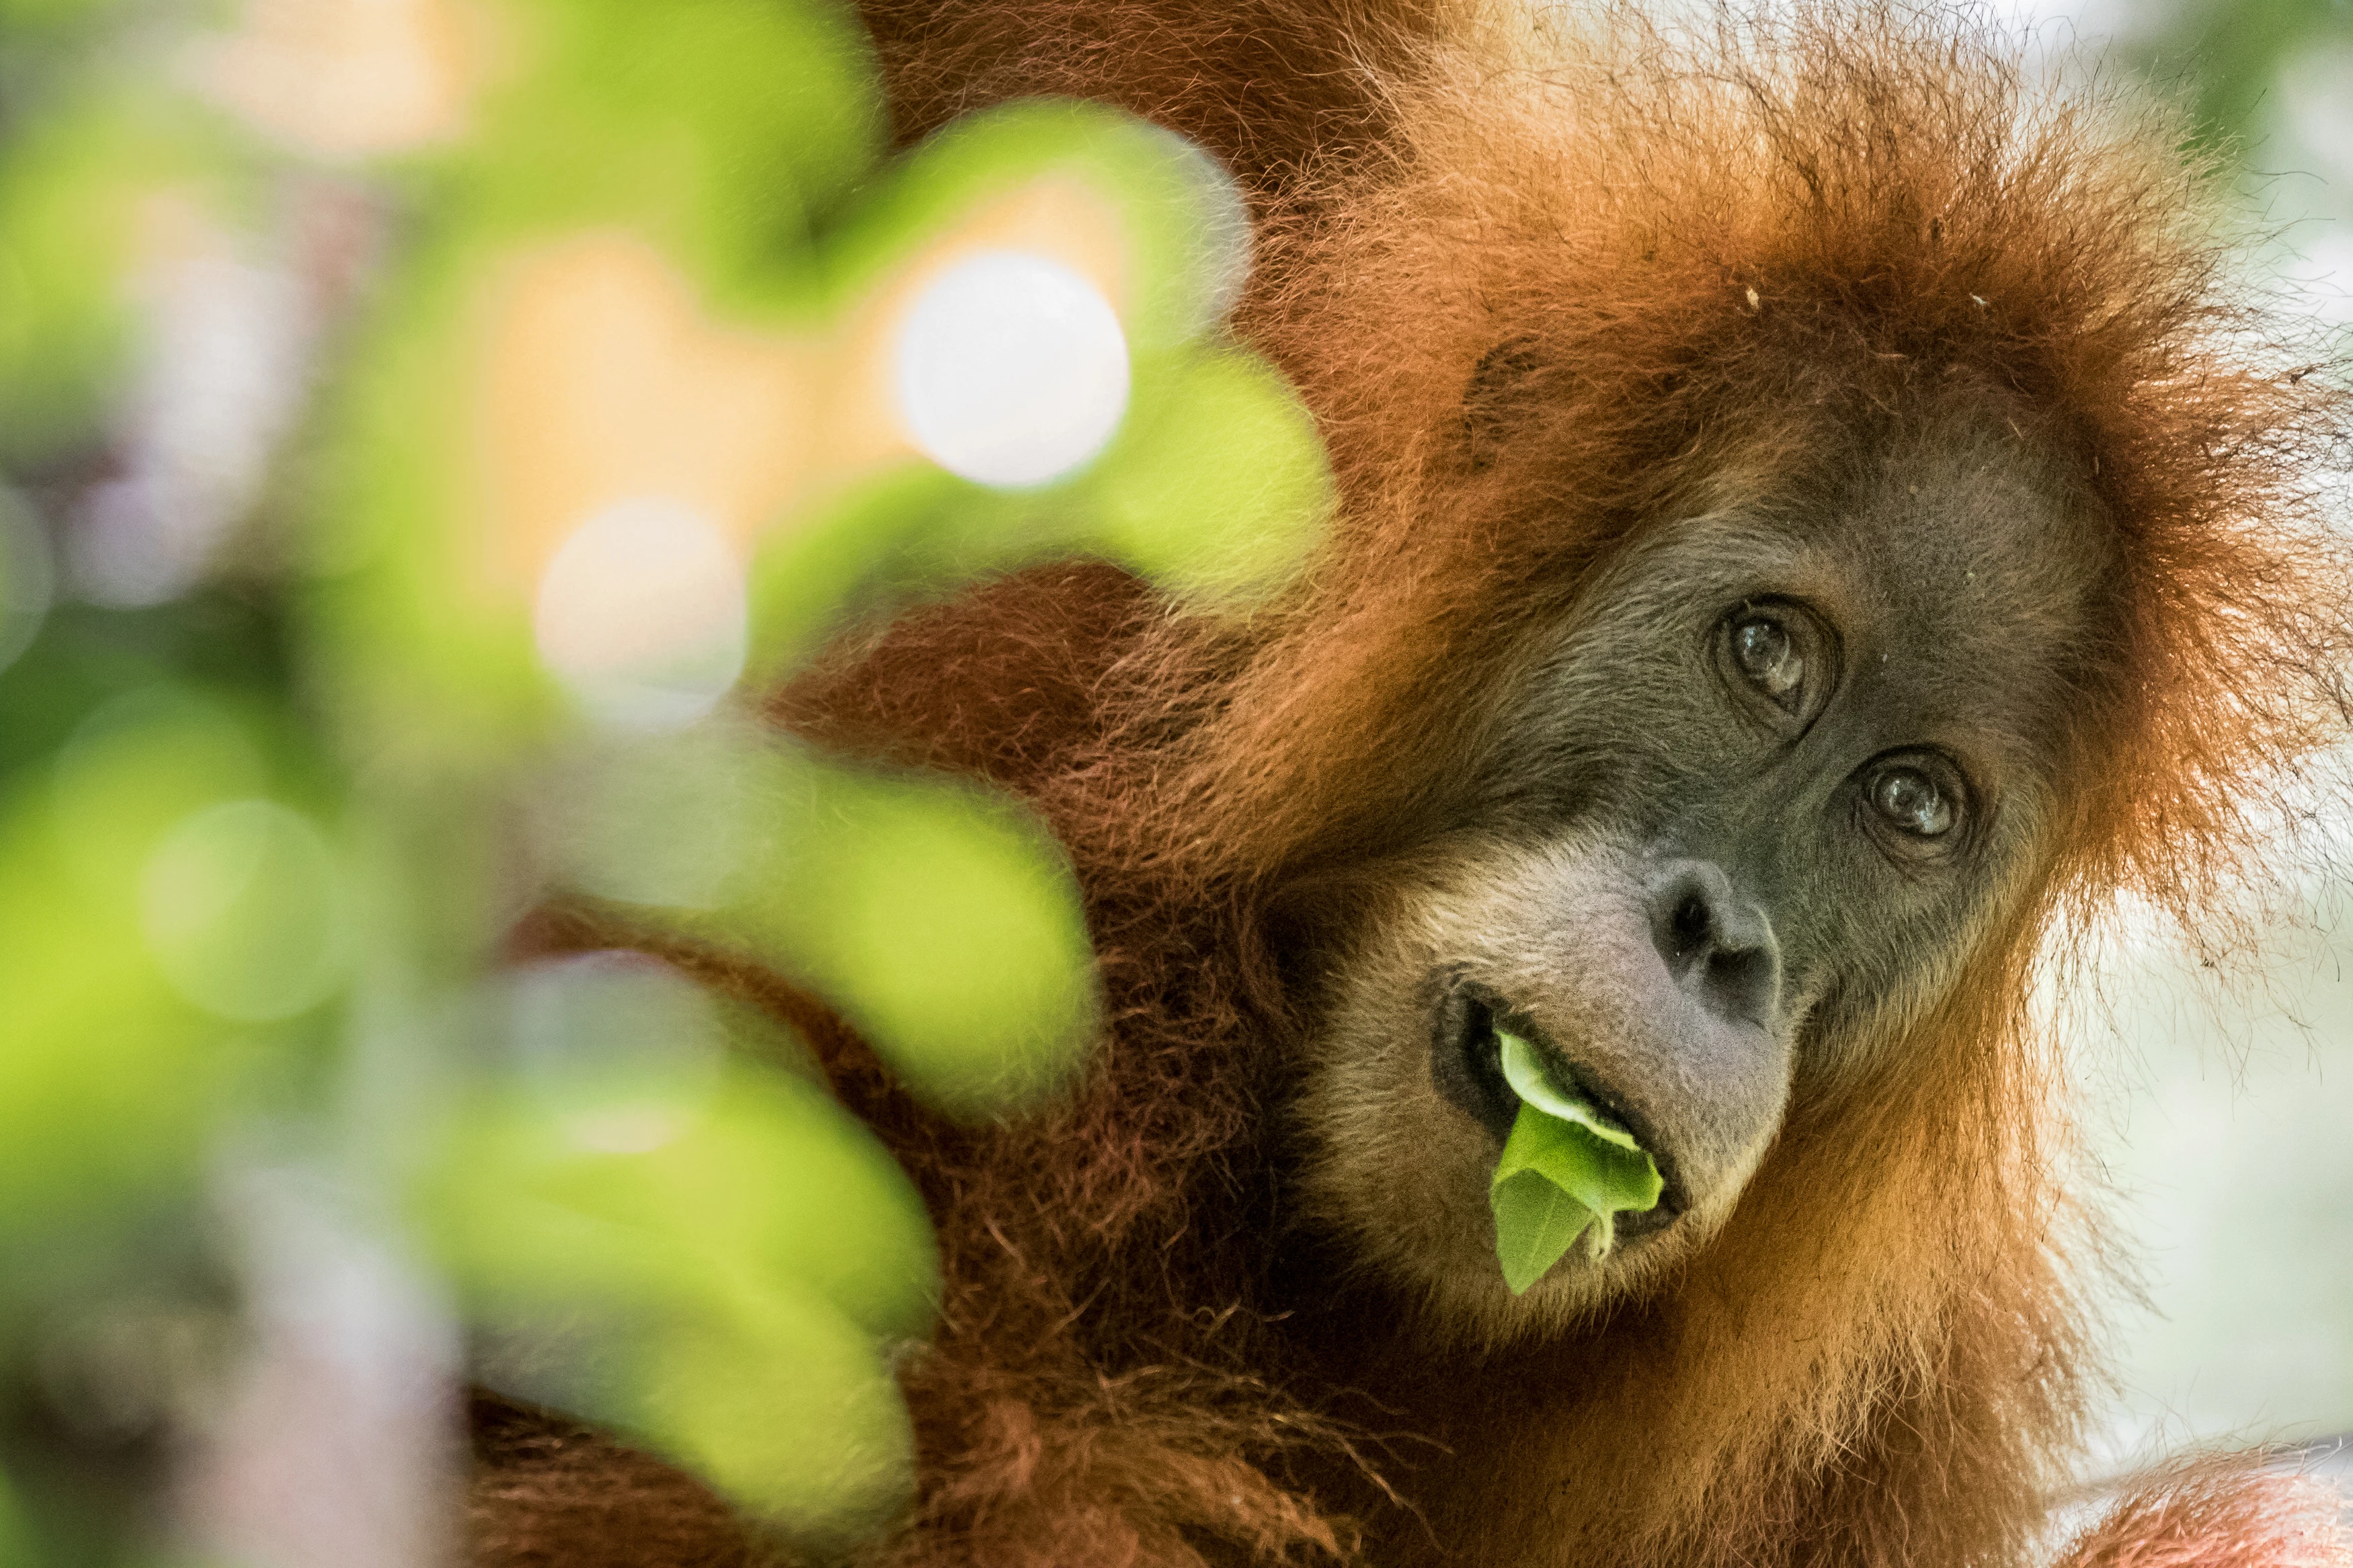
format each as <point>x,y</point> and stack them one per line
<point>1768,656</point>
<point>1911,800</point>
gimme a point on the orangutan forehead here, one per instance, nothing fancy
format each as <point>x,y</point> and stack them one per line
<point>1977,575</point>
<point>1972,532</point>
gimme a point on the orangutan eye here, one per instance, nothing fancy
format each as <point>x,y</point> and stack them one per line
<point>1917,800</point>
<point>1766,652</point>
<point>1909,800</point>
<point>1781,660</point>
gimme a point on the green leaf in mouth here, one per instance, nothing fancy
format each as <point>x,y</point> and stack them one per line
<point>1566,1169</point>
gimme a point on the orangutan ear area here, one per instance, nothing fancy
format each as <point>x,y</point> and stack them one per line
<point>733,736</point>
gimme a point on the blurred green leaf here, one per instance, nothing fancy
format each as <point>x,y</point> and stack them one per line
<point>940,916</point>
<point>668,820</point>
<point>787,1406</point>
<point>1217,488</point>
<point>946,924</point>
<point>771,1180</point>
<point>110,1084</point>
<point>722,134</point>
<point>41,15</point>
<point>244,908</point>
<point>138,767</point>
<point>762,1385</point>
<point>1182,234</point>
<point>1222,489</point>
<point>419,652</point>
<point>728,1291</point>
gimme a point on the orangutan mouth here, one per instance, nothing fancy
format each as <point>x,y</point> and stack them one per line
<point>1466,1066</point>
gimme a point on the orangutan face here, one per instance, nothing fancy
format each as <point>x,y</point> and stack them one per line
<point>1772,780</point>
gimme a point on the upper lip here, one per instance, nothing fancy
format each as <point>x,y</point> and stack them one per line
<point>1477,1011</point>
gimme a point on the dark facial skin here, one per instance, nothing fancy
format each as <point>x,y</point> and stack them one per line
<point>1772,778</point>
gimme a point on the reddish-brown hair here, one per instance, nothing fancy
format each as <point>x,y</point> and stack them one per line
<point>1709,256</point>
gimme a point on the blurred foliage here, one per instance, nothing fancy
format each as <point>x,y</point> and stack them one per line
<point>96,169</point>
<point>260,843</point>
<point>736,144</point>
<point>2228,54</point>
<point>716,1257</point>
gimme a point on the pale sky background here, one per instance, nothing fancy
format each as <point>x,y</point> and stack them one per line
<point>2222,1111</point>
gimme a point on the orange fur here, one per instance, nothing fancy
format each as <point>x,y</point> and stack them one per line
<point>555,1495</point>
<point>2219,1513</point>
<point>1729,255</point>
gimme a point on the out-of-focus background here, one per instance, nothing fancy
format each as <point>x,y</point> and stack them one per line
<point>2224,1120</point>
<point>2221,1097</point>
<point>424,426</point>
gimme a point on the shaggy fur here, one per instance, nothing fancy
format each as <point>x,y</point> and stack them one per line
<point>1708,251</point>
<point>2219,1513</point>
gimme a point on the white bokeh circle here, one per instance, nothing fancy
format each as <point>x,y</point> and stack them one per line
<point>1011,369</point>
<point>642,614</point>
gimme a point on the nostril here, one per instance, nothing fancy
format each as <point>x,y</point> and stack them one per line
<point>1690,929</point>
<point>1714,944</point>
<point>1687,906</point>
<point>1741,983</point>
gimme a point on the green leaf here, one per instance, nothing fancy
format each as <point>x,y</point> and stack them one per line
<point>1565,1169</point>
<point>946,924</point>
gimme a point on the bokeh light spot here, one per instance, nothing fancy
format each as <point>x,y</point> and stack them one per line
<point>641,614</point>
<point>341,78</point>
<point>1012,370</point>
<point>243,909</point>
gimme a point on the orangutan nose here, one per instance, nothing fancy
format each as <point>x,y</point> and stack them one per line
<point>1718,948</point>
